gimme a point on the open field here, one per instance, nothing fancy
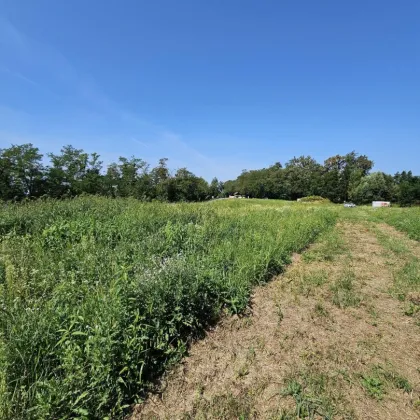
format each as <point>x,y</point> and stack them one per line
<point>99,297</point>
<point>336,336</point>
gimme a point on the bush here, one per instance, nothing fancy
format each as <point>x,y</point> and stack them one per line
<point>314,199</point>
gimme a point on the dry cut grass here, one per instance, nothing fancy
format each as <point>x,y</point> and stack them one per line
<point>327,339</point>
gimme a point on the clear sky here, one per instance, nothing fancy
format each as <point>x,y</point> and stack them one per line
<point>214,85</point>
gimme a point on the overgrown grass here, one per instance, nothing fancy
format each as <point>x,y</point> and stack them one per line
<point>99,296</point>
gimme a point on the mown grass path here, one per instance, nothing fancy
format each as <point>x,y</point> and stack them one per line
<point>336,336</point>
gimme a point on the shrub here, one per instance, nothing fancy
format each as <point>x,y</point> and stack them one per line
<point>314,199</point>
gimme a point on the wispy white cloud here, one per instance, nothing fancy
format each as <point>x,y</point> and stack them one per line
<point>18,75</point>
<point>140,142</point>
<point>52,71</point>
<point>9,34</point>
<point>49,69</point>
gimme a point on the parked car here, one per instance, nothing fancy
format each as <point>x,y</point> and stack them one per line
<point>349,205</point>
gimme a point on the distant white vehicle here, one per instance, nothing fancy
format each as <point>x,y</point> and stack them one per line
<point>349,205</point>
<point>381,204</point>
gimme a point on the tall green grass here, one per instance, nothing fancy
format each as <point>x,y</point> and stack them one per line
<point>99,296</point>
<point>404,219</point>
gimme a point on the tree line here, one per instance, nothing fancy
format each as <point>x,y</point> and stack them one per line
<point>340,178</point>
<point>72,172</point>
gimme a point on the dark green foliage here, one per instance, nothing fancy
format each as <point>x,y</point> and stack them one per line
<point>73,172</point>
<point>374,187</point>
<point>340,178</point>
<point>408,188</point>
<point>21,172</point>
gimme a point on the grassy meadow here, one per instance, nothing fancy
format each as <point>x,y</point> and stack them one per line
<point>404,219</point>
<point>99,296</point>
<point>336,336</point>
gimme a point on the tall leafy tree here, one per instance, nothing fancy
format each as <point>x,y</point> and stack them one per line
<point>67,171</point>
<point>92,181</point>
<point>303,177</point>
<point>343,174</point>
<point>408,187</point>
<point>160,180</point>
<point>131,170</point>
<point>22,169</point>
<point>185,186</point>
<point>7,191</point>
<point>373,187</point>
<point>215,188</point>
<point>73,172</point>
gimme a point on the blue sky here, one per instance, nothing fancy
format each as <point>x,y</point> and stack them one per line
<point>217,86</point>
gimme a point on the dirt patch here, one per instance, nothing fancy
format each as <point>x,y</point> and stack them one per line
<point>324,339</point>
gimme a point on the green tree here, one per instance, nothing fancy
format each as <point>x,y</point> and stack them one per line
<point>6,185</point>
<point>128,178</point>
<point>374,187</point>
<point>185,186</point>
<point>92,181</point>
<point>22,170</point>
<point>67,171</point>
<point>131,171</point>
<point>342,174</point>
<point>229,188</point>
<point>408,187</point>
<point>111,180</point>
<point>215,188</point>
<point>303,177</point>
<point>160,180</point>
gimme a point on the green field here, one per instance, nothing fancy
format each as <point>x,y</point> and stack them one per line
<point>404,219</point>
<point>98,296</point>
